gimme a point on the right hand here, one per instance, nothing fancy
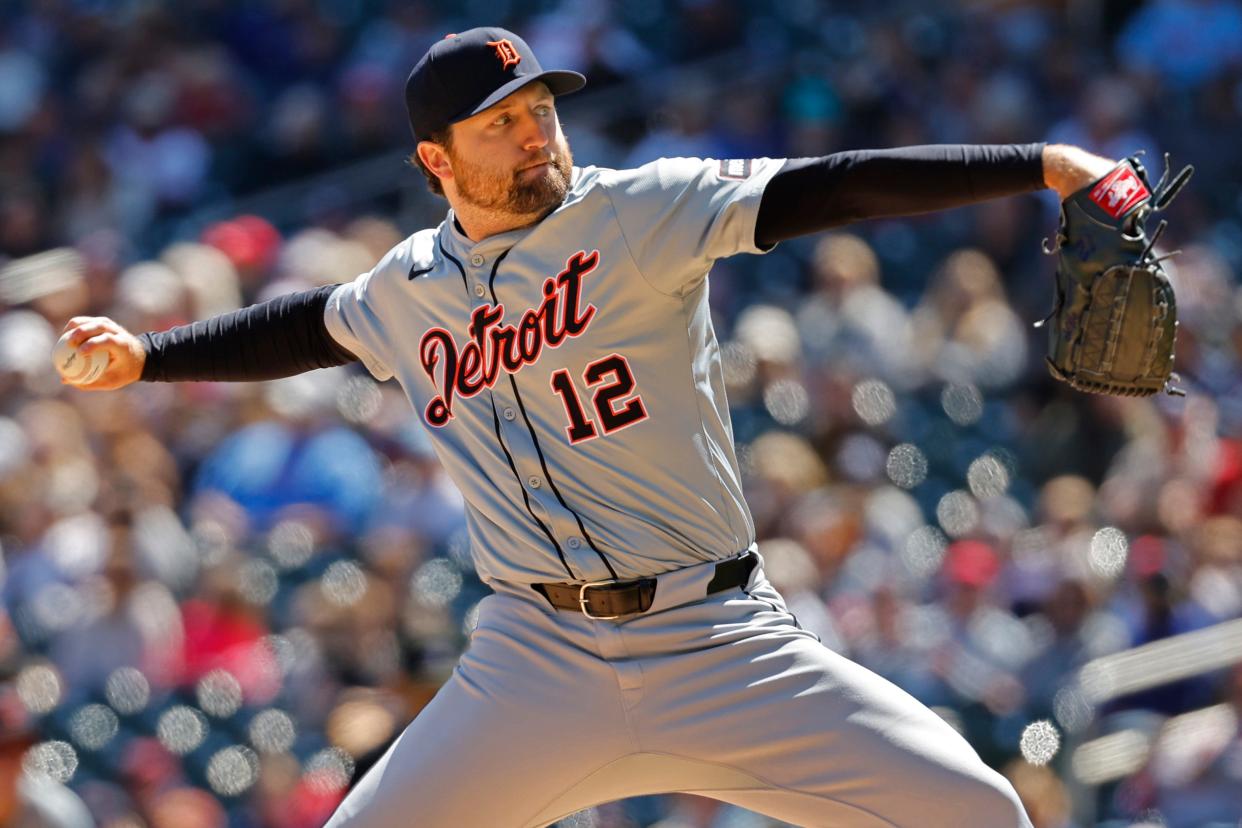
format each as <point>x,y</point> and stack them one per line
<point>126,356</point>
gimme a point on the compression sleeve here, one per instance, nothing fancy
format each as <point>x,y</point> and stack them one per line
<point>278,338</point>
<point>813,194</point>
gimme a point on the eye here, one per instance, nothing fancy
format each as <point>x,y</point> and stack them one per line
<point>501,120</point>
<point>543,110</point>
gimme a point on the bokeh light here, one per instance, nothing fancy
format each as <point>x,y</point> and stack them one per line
<point>343,583</point>
<point>93,726</point>
<point>963,403</point>
<point>127,690</point>
<point>987,477</point>
<point>54,758</point>
<point>329,770</point>
<point>303,649</point>
<point>787,401</point>
<point>181,729</point>
<point>291,544</point>
<point>257,581</point>
<point>1040,742</point>
<point>1108,551</point>
<point>873,402</point>
<point>219,693</point>
<point>738,364</point>
<point>958,513</point>
<point>272,731</point>
<point>232,770</point>
<point>923,551</point>
<point>282,650</point>
<point>907,465</point>
<point>39,688</point>
<point>212,539</point>
<point>436,583</point>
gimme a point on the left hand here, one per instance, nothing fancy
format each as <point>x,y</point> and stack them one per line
<point>1068,169</point>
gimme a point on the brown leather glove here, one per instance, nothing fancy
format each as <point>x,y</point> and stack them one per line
<point>1114,323</point>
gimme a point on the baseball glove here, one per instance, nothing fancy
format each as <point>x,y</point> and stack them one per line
<point>1114,321</point>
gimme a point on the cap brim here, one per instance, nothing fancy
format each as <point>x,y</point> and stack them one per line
<point>558,81</point>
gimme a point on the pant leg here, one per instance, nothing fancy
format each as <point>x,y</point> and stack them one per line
<point>527,715</point>
<point>826,742</point>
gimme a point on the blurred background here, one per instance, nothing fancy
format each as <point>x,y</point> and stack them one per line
<point>221,602</point>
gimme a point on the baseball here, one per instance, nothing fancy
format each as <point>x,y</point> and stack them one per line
<point>78,368</point>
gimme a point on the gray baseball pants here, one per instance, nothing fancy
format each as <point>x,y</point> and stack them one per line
<point>550,712</point>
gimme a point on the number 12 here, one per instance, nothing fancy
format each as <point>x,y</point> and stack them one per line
<point>613,411</point>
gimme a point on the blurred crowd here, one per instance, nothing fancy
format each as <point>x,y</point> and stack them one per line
<point>221,602</point>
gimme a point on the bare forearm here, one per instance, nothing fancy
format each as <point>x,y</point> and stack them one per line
<point>1067,169</point>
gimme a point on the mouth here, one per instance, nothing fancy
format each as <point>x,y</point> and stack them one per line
<point>536,166</point>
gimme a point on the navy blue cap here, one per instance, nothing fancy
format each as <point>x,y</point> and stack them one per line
<point>465,73</point>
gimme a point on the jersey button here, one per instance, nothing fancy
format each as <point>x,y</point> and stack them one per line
<point>476,260</point>
<point>479,290</point>
<point>534,482</point>
<point>510,414</point>
<point>573,543</point>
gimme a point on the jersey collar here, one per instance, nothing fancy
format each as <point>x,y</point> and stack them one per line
<point>459,244</point>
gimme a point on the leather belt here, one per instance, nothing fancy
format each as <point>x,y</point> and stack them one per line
<point>612,599</point>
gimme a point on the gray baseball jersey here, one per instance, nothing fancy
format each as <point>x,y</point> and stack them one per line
<point>568,371</point>
<point>570,378</point>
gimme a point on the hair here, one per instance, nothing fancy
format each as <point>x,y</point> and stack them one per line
<point>444,138</point>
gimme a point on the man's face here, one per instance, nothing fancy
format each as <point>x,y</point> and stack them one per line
<point>512,157</point>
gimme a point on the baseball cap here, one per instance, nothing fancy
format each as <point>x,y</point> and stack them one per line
<point>465,73</point>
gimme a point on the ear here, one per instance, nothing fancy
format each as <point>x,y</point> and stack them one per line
<point>435,158</point>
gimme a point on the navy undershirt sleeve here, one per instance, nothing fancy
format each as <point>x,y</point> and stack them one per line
<point>813,194</point>
<point>278,338</point>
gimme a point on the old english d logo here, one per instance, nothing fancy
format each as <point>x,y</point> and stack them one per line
<point>505,52</point>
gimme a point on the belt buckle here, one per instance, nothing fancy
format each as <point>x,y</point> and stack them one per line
<point>582,600</point>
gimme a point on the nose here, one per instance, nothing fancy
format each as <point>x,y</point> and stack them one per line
<point>536,134</point>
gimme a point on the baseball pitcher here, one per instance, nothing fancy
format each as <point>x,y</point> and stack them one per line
<point>553,334</point>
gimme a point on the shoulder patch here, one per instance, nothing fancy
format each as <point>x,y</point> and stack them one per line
<point>736,169</point>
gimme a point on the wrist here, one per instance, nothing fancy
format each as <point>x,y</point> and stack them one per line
<point>1067,169</point>
<point>141,349</point>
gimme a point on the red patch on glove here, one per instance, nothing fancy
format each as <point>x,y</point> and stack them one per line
<point>1120,191</point>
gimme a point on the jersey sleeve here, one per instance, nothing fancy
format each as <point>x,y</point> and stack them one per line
<point>678,215</point>
<point>353,318</point>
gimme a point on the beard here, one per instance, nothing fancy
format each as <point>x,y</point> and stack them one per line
<point>509,191</point>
